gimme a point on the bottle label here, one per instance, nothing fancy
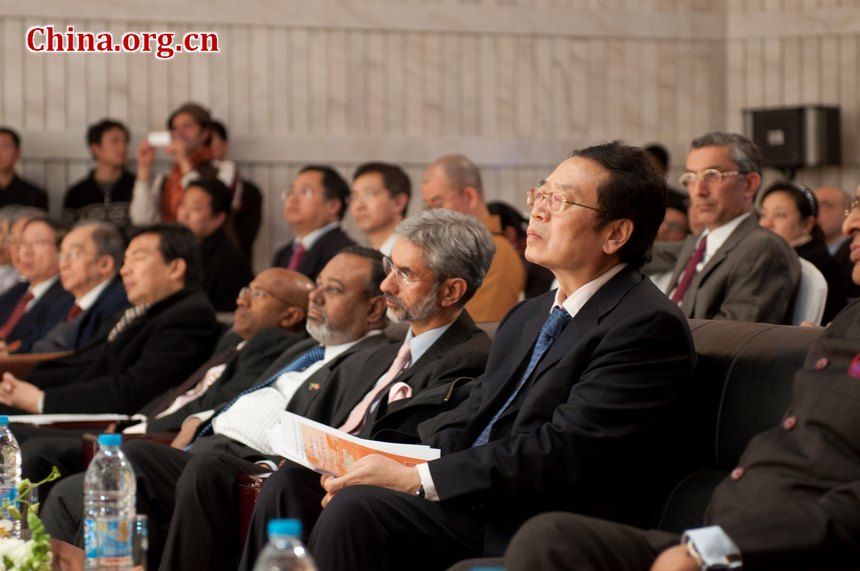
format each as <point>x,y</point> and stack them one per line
<point>107,542</point>
<point>8,522</point>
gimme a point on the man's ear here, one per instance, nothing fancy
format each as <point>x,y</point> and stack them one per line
<point>473,197</point>
<point>401,203</point>
<point>292,317</point>
<point>451,291</point>
<point>376,308</point>
<point>753,184</point>
<point>177,269</point>
<point>618,233</point>
<point>220,219</point>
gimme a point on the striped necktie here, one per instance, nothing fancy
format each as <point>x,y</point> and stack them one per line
<point>300,363</point>
<point>128,317</point>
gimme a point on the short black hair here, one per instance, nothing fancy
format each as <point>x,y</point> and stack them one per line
<point>59,227</point>
<point>377,271</point>
<point>175,242</point>
<point>96,131</point>
<point>509,217</point>
<point>394,178</point>
<point>16,138</point>
<point>678,201</point>
<point>660,153</point>
<point>220,129</point>
<point>635,190</point>
<point>219,194</point>
<point>335,187</point>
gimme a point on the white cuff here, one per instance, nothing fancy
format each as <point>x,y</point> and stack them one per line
<point>714,547</point>
<point>427,481</point>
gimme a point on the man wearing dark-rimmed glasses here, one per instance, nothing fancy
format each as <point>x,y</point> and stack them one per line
<point>733,269</point>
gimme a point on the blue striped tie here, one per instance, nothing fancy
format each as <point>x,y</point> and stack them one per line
<point>300,363</point>
<point>548,334</point>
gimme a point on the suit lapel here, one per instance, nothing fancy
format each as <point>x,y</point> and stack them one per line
<point>735,238</point>
<point>603,301</point>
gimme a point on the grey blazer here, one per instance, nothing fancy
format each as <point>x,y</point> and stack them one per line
<point>752,277</point>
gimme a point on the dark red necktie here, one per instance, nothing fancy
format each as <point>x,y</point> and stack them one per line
<point>73,312</point>
<point>690,270</point>
<point>16,315</point>
<point>296,258</point>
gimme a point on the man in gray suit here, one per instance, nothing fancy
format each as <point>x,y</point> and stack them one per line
<point>733,269</point>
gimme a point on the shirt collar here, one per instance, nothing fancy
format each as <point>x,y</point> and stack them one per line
<point>309,239</point>
<point>418,344</point>
<point>88,299</point>
<point>718,236</point>
<point>332,351</point>
<point>580,297</point>
<point>42,288</point>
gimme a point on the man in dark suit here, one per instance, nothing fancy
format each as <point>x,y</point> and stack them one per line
<point>31,309</point>
<point>314,205</point>
<point>89,260</point>
<point>269,320</point>
<point>205,209</point>
<point>169,332</point>
<point>733,269</point>
<point>438,262</point>
<point>346,314</point>
<point>577,397</point>
<point>793,503</point>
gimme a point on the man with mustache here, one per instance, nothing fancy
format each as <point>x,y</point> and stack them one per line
<point>733,269</point>
<point>438,262</point>
<point>346,313</point>
<point>578,394</point>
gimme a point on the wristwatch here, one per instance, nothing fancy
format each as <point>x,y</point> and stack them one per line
<point>420,491</point>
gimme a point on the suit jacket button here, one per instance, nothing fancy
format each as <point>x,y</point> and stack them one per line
<point>737,473</point>
<point>822,363</point>
<point>789,423</point>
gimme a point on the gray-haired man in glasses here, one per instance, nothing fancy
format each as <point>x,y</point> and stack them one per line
<point>733,269</point>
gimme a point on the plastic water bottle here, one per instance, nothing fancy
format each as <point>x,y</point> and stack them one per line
<point>10,477</point>
<point>285,551</point>
<point>110,490</point>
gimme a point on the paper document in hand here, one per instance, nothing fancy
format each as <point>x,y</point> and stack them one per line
<point>330,451</point>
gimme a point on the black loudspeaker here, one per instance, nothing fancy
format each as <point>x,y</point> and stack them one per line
<point>791,138</point>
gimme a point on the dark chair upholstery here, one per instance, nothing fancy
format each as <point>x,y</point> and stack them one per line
<point>741,386</point>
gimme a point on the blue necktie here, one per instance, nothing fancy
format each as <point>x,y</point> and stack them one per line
<point>300,363</point>
<point>548,334</point>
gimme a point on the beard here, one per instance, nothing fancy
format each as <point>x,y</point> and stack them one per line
<point>325,335</point>
<point>423,309</point>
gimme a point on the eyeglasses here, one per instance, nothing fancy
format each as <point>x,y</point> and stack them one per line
<point>855,202</point>
<point>555,201</point>
<point>34,243</point>
<point>302,192</point>
<point>257,293</point>
<point>402,276</point>
<point>708,176</point>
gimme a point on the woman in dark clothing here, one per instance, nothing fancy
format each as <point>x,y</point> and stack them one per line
<point>790,210</point>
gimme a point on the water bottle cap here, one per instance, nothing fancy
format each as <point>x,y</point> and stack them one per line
<point>110,439</point>
<point>290,527</point>
<point>4,420</point>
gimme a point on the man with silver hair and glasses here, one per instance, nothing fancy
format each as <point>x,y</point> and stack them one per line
<point>733,269</point>
<point>579,392</point>
<point>438,262</point>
